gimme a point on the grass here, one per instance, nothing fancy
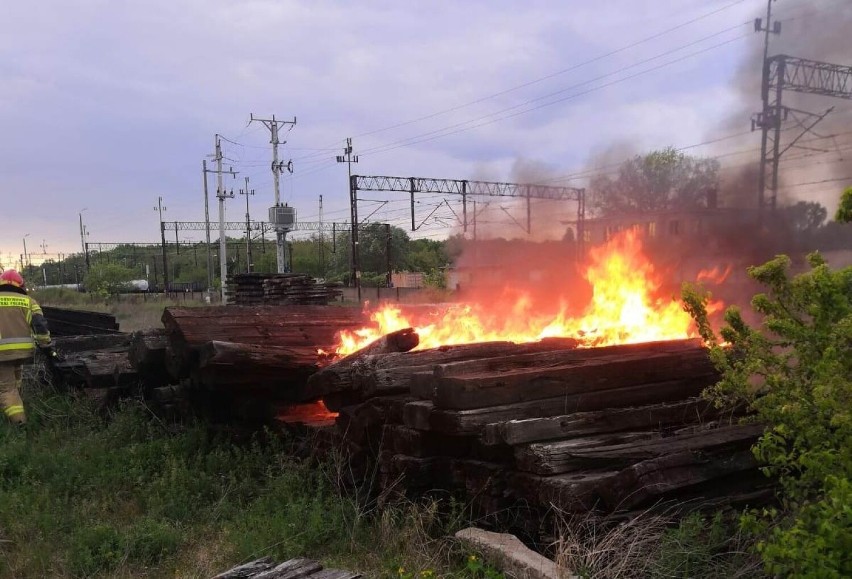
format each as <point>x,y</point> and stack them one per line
<point>657,545</point>
<point>83,495</point>
<point>127,495</point>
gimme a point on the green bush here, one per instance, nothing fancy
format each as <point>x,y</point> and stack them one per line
<point>796,376</point>
<point>95,549</point>
<point>149,541</point>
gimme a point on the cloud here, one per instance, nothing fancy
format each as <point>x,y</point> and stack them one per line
<point>110,104</point>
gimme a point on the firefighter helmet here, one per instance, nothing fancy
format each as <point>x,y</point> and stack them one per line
<point>11,277</point>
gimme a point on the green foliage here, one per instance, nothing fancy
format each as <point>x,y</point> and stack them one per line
<point>435,278</point>
<point>106,279</point>
<point>660,180</point>
<point>477,569</point>
<point>95,549</point>
<point>844,210</point>
<point>298,513</point>
<point>796,375</point>
<point>701,547</point>
<point>805,215</point>
<point>126,495</point>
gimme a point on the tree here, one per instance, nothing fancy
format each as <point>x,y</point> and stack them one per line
<point>106,279</point>
<point>805,215</point>
<point>372,242</point>
<point>796,377</point>
<point>844,211</point>
<point>658,181</point>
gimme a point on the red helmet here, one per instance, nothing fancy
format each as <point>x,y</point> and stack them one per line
<point>11,277</point>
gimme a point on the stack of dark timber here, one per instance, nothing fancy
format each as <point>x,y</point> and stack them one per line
<point>246,362</point>
<point>96,364</point>
<point>544,424</point>
<point>279,289</point>
<point>65,322</point>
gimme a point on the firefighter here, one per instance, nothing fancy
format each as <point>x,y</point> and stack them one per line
<point>22,326</point>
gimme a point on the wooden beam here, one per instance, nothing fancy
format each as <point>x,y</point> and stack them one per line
<point>424,415</point>
<point>575,377</point>
<point>565,426</point>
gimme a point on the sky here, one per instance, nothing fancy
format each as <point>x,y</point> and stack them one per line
<point>108,105</point>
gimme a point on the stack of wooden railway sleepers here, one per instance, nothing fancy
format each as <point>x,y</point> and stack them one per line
<point>245,362</point>
<point>279,289</point>
<point>97,364</point>
<point>65,322</point>
<point>547,424</point>
<point>246,289</point>
<point>297,289</point>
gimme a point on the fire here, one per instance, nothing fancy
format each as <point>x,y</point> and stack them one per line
<point>625,307</point>
<point>307,413</point>
<point>717,275</point>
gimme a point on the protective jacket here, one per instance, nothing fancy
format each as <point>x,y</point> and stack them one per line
<point>22,324</point>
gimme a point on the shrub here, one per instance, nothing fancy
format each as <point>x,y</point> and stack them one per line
<point>95,550</point>
<point>795,377</point>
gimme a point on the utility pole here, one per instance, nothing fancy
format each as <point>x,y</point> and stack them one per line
<point>26,257</point>
<point>221,194</point>
<point>388,239</point>
<point>770,116</point>
<point>159,208</point>
<point>44,259</point>
<point>207,232</point>
<point>247,193</point>
<point>321,241</point>
<point>281,220</point>
<point>83,237</point>
<point>348,158</point>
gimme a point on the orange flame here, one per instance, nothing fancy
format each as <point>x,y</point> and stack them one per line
<point>306,413</point>
<point>715,275</point>
<point>625,308</point>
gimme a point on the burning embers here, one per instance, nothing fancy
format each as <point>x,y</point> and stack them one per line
<point>626,306</point>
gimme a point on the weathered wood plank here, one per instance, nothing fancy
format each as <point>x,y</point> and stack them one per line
<point>420,444</point>
<point>567,351</point>
<point>577,376</point>
<point>515,432</point>
<point>77,344</point>
<point>333,377</point>
<point>292,569</point>
<point>646,481</point>
<point>557,458</point>
<point>68,322</point>
<point>335,574</point>
<point>189,329</point>
<point>387,373</point>
<point>147,349</point>
<point>623,449</point>
<point>424,415</point>
<point>247,570</point>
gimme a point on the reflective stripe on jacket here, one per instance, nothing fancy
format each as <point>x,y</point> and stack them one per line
<point>21,324</point>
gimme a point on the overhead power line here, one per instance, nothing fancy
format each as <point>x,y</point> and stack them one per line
<point>554,74</point>
<point>491,118</point>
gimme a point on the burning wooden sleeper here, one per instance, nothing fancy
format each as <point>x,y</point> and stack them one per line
<point>377,374</point>
<point>577,375</point>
